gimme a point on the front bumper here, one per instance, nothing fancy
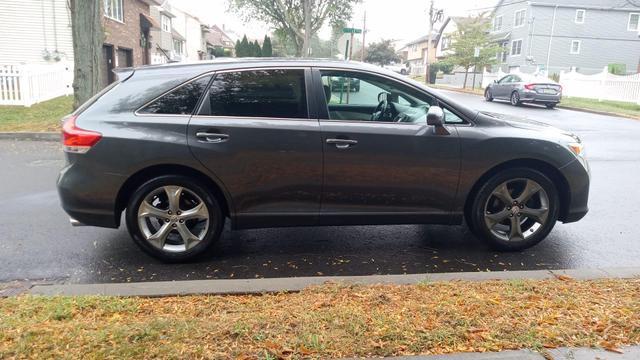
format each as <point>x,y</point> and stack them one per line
<point>578,176</point>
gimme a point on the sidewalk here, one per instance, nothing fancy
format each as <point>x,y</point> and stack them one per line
<point>628,353</point>
<point>274,285</point>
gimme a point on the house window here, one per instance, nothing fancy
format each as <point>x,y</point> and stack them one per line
<point>166,23</point>
<point>634,21</point>
<point>575,47</point>
<point>446,42</point>
<point>178,47</point>
<point>497,23</point>
<point>520,16</point>
<point>516,47</point>
<point>113,9</point>
<point>580,16</point>
<point>501,55</point>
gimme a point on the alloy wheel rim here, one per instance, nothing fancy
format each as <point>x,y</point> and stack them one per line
<point>516,210</point>
<point>515,98</point>
<point>487,94</point>
<point>173,218</point>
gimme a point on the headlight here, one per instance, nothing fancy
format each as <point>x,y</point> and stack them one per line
<point>576,148</point>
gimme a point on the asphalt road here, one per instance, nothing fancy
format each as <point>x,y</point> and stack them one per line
<point>37,242</point>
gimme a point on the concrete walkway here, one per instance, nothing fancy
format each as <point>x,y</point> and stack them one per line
<point>628,353</point>
<point>256,286</point>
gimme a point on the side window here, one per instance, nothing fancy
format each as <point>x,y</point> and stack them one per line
<point>276,93</point>
<point>355,96</point>
<point>451,118</point>
<point>180,101</point>
<point>505,79</point>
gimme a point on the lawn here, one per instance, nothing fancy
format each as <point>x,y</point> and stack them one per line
<point>613,107</point>
<point>44,116</point>
<point>328,321</point>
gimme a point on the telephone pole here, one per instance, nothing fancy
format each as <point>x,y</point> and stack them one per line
<point>364,32</point>
<point>435,15</point>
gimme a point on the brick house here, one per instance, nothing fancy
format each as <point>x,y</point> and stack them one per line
<point>127,26</point>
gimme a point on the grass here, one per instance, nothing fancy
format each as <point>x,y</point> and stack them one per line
<point>613,107</point>
<point>328,321</point>
<point>44,116</point>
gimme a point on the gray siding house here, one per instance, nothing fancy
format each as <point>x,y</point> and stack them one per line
<point>557,35</point>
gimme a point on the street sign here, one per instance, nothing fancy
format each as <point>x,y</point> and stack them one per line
<point>351,31</point>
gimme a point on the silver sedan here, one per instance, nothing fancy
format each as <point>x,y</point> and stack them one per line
<point>525,89</point>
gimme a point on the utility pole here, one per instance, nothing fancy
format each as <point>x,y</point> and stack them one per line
<point>435,15</point>
<point>364,32</point>
<point>307,28</point>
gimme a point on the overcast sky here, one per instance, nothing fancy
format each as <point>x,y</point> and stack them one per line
<point>401,20</point>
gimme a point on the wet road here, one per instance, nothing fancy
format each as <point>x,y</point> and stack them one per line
<point>36,241</point>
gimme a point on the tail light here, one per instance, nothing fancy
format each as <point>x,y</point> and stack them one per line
<point>77,140</point>
<point>530,86</point>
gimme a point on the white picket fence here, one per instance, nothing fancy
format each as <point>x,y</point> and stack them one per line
<point>601,86</point>
<point>29,84</point>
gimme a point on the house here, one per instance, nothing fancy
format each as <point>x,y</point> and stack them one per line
<point>35,32</point>
<point>218,42</point>
<point>193,47</point>
<point>445,37</point>
<point>555,35</point>
<point>127,29</point>
<point>417,50</point>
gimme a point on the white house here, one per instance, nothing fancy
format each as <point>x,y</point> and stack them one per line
<point>190,27</point>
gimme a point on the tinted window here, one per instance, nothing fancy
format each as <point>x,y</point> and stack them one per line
<point>181,100</point>
<point>258,93</point>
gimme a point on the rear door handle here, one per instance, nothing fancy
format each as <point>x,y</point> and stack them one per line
<point>213,138</point>
<point>342,143</point>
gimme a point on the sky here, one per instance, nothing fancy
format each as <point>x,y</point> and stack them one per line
<point>400,20</point>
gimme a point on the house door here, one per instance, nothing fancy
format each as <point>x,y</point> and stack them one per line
<point>125,57</point>
<point>107,64</point>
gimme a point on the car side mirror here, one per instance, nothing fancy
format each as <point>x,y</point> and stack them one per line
<point>435,116</point>
<point>495,81</point>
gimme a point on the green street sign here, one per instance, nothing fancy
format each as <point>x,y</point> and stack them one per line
<point>351,31</point>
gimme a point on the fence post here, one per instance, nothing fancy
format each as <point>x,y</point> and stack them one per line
<point>603,81</point>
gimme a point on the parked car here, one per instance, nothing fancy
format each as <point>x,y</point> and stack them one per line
<point>183,148</point>
<point>518,89</point>
<point>345,84</point>
<point>398,68</point>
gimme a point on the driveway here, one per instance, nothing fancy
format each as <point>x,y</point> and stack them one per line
<point>37,242</point>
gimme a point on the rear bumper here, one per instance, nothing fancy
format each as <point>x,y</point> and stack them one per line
<point>89,198</point>
<point>534,97</point>
<point>577,174</point>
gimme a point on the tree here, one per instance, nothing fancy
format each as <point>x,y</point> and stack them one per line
<point>256,50</point>
<point>381,53</point>
<point>472,33</point>
<point>238,48</point>
<point>295,20</point>
<point>267,49</point>
<point>245,49</point>
<point>88,36</point>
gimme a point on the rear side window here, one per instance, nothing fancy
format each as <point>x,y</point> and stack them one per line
<point>258,93</point>
<point>180,101</point>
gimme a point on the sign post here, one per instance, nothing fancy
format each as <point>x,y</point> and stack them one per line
<point>349,49</point>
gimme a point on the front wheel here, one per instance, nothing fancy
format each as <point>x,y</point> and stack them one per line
<point>488,95</point>
<point>515,209</point>
<point>174,218</point>
<point>550,105</point>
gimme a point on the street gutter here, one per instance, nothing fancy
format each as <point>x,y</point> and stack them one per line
<point>276,285</point>
<point>34,136</point>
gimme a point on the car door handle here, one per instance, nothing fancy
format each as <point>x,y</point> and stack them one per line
<point>342,143</point>
<point>213,138</point>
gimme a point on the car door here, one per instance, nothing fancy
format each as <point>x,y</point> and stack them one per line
<point>500,89</point>
<point>254,133</point>
<point>384,171</point>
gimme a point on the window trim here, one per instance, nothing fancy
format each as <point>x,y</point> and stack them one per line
<point>162,22</point>
<point>511,52</point>
<point>584,16</point>
<point>121,8</point>
<point>198,103</point>
<point>501,17</point>
<point>441,103</point>
<point>629,22</point>
<point>515,18</point>
<point>579,47</point>
<point>308,93</point>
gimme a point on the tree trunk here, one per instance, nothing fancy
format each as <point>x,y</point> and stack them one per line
<point>88,36</point>
<point>466,73</point>
<point>307,28</point>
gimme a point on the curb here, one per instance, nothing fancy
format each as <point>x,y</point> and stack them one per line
<point>597,112</point>
<point>274,285</point>
<point>35,136</point>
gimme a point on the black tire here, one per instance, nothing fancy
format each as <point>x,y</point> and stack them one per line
<point>216,218</point>
<point>514,99</point>
<point>476,217</point>
<point>488,95</point>
<point>550,106</point>
<point>403,72</point>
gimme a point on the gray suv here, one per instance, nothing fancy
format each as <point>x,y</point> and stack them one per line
<point>182,148</point>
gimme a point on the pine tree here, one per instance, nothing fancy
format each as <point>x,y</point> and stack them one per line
<point>245,47</point>
<point>238,48</point>
<point>257,51</point>
<point>267,49</point>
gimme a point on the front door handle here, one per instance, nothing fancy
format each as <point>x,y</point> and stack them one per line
<point>213,138</point>
<point>342,143</point>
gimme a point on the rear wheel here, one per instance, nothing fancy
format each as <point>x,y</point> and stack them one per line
<point>550,105</point>
<point>515,98</point>
<point>515,209</point>
<point>488,95</point>
<point>174,218</point>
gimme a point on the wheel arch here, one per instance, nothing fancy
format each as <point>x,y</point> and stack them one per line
<point>561,183</point>
<point>151,172</point>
